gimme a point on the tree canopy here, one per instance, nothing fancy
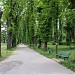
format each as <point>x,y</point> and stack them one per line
<point>36,22</point>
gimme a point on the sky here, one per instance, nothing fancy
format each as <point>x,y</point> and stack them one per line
<point>1,7</point>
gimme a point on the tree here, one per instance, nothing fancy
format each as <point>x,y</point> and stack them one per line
<point>44,24</point>
<point>14,11</point>
<point>0,31</point>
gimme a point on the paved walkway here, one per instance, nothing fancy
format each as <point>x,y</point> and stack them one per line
<point>25,61</point>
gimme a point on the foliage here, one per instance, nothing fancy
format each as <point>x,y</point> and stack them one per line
<point>69,65</point>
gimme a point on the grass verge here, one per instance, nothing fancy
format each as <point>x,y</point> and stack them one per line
<point>43,52</point>
<point>68,63</point>
<point>5,52</point>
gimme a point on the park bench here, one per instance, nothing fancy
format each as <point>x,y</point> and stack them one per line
<point>63,54</point>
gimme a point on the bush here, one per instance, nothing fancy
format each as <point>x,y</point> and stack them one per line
<point>53,43</point>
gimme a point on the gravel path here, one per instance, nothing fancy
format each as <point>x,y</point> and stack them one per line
<point>25,61</point>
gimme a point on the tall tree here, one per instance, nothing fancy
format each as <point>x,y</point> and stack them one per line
<point>0,31</point>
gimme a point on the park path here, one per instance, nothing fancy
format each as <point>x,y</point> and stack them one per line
<point>25,61</point>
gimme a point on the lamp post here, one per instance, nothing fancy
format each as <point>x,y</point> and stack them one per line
<point>0,31</point>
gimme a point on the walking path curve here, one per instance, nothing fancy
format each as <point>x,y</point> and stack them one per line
<point>26,61</point>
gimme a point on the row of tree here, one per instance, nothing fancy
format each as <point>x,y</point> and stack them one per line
<point>49,20</point>
<point>35,22</point>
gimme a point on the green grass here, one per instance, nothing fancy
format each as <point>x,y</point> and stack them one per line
<point>43,52</point>
<point>68,63</point>
<point>53,47</point>
<point>5,52</point>
<point>64,48</point>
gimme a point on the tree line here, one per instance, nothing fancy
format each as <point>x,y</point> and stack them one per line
<point>37,22</point>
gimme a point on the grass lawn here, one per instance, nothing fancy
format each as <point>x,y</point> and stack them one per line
<point>45,53</point>
<point>64,48</point>
<point>68,63</point>
<point>5,52</point>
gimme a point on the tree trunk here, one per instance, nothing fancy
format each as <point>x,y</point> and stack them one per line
<point>45,45</point>
<point>14,42</point>
<point>35,40</point>
<point>57,30</point>
<point>56,37</point>
<point>73,6</point>
<point>0,31</point>
<point>74,41</point>
<point>40,43</point>
<point>8,41</point>
<point>73,3</point>
<point>74,34</point>
<point>0,38</point>
<point>60,39</point>
<point>68,38</point>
